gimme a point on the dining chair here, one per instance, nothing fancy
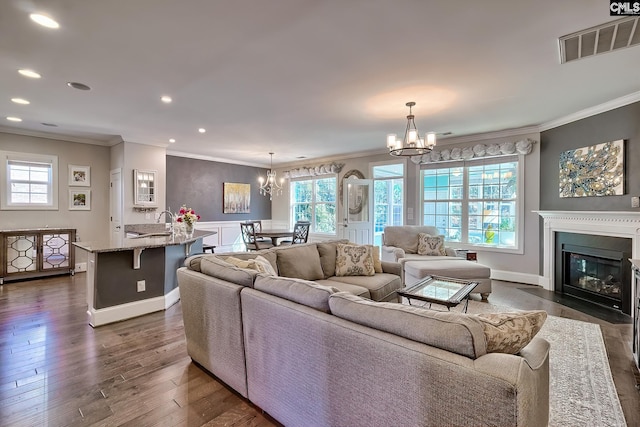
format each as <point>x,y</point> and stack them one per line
<point>300,233</point>
<point>248,232</point>
<point>257,225</point>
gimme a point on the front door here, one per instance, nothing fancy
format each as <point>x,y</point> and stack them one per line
<point>358,210</point>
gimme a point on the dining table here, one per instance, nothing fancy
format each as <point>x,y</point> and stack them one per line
<point>275,234</point>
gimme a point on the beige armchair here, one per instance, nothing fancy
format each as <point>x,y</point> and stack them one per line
<point>400,244</point>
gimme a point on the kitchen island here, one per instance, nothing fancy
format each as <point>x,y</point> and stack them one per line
<point>129,277</point>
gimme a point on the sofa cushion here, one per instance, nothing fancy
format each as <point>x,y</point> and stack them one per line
<point>215,267</point>
<point>300,291</point>
<point>431,245</point>
<point>511,332</point>
<point>380,286</point>
<point>360,291</point>
<point>328,251</point>
<point>455,332</point>
<point>406,236</point>
<point>354,260</point>
<point>300,262</point>
<point>259,263</point>
<point>451,267</point>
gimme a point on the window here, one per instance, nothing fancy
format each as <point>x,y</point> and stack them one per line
<point>29,181</point>
<point>474,203</point>
<point>314,200</point>
<point>388,191</point>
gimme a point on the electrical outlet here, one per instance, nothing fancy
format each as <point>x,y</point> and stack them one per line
<point>141,286</point>
<point>635,202</point>
<point>147,216</point>
<point>80,267</point>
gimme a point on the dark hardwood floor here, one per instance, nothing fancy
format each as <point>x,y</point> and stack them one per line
<point>56,370</point>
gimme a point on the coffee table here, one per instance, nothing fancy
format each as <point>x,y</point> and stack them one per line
<point>439,290</point>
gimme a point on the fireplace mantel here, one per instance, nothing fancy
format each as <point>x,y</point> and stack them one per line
<point>600,223</point>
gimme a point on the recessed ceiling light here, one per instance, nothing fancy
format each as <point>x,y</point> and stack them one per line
<point>53,125</point>
<point>44,20</point>
<point>172,140</point>
<point>79,86</point>
<point>14,119</point>
<point>29,73</point>
<point>202,130</point>
<point>20,101</point>
<point>166,99</point>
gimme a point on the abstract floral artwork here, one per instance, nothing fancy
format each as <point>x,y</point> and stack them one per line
<point>597,170</point>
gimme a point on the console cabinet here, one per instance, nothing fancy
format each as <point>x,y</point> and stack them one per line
<point>35,253</point>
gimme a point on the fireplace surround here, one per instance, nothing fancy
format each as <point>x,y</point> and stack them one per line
<point>591,223</point>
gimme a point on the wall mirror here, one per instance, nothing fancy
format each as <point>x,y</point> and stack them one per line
<point>144,187</point>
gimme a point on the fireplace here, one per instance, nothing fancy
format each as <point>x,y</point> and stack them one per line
<point>595,269</point>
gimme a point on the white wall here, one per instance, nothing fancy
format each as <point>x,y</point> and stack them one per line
<point>90,225</point>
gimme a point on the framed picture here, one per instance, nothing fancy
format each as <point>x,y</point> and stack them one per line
<point>596,170</point>
<point>237,197</point>
<point>79,200</point>
<point>79,176</point>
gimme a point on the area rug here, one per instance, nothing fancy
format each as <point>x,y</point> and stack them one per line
<point>581,391</point>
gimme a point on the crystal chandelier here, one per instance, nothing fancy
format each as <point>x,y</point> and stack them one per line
<point>412,144</point>
<point>270,186</point>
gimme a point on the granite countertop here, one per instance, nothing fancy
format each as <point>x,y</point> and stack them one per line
<point>126,244</point>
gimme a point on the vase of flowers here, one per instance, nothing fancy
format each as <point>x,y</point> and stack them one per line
<point>188,217</point>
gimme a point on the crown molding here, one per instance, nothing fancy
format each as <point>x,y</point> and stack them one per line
<point>56,136</point>
<point>592,111</point>
<point>214,159</point>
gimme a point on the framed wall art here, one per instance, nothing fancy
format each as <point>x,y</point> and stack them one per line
<point>79,176</point>
<point>237,197</point>
<point>596,170</point>
<point>79,200</point>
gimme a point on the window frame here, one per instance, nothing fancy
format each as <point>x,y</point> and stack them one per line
<point>313,202</point>
<point>519,159</point>
<point>29,158</point>
<point>403,177</point>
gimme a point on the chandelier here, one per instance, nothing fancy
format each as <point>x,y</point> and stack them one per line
<point>270,186</point>
<point>412,144</point>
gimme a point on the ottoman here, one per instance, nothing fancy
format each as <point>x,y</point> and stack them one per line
<point>455,267</point>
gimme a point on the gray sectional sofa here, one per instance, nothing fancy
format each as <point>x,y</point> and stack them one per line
<point>311,354</point>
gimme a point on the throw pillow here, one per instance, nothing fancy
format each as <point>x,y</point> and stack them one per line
<point>300,262</point>
<point>264,266</point>
<point>431,245</point>
<point>354,260</point>
<point>511,332</point>
<point>259,264</point>
<point>377,265</point>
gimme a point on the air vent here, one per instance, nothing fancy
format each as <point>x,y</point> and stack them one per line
<point>601,39</point>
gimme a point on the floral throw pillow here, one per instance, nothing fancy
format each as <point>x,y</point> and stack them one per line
<point>511,332</point>
<point>354,260</point>
<point>430,245</point>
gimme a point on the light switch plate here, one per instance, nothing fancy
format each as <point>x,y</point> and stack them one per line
<point>635,202</point>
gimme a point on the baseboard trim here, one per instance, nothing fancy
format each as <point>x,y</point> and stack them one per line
<point>510,276</point>
<point>104,316</point>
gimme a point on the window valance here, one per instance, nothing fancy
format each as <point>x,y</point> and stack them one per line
<point>331,168</point>
<point>524,146</point>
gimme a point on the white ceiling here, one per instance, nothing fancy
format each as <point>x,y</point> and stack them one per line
<point>314,78</point>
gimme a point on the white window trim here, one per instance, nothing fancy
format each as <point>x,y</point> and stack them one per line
<point>519,248</point>
<point>5,157</point>
<point>313,202</point>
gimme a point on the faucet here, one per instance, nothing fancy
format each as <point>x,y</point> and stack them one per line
<point>168,213</point>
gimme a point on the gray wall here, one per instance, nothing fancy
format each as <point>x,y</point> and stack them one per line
<point>199,185</point>
<point>621,123</point>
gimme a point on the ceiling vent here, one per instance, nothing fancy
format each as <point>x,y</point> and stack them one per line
<point>601,39</point>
